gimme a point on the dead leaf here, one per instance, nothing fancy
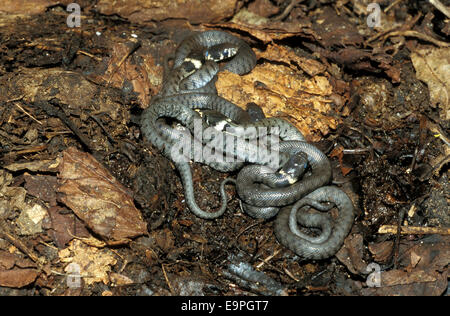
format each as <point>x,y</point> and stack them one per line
<point>15,270</point>
<point>263,8</point>
<point>282,92</point>
<point>399,277</point>
<point>415,259</point>
<point>18,277</point>
<point>7,260</point>
<point>74,93</point>
<point>409,283</point>
<point>351,254</point>
<point>434,253</point>
<point>35,165</point>
<point>286,55</point>
<point>424,268</point>
<point>433,67</point>
<point>42,187</point>
<point>164,239</point>
<point>141,11</point>
<point>97,198</point>
<point>26,6</point>
<point>120,279</point>
<point>64,227</point>
<point>139,75</point>
<point>267,30</point>
<point>338,152</point>
<point>336,30</point>
<point>382,251</point>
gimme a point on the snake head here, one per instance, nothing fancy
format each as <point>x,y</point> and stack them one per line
<point>295,167</point>
<point>221,52</point>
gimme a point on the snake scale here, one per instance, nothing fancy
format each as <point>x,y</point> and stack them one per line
<point>298,177</point>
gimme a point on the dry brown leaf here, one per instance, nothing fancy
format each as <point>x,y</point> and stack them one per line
<point>164,239</point>
<point>64,226</point>
<point>97,198</point>
<point>382,251</point>
<point>17,277</point>
<point>120,279</point>
<point>7,260</point>
<point>26,6</point>
<point>35,165</point>
<point>263,8</point>
<point>267,30</point>
<point>42,187</point>
<point>425,267</point>
<point>351,254</point>
<point>433,67</point>
<point>16,271</point>
<point>122,68</point>
<point>409,283</point>
<point>286,55</point>
<point>338,152</point>
<point>399,277</point>
<point>140,11</point>
<point>282,92</point>
<point>433,255</point>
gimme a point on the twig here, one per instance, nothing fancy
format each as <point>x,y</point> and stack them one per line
<point>408,25</point>
<point>136,45</point>
<point>22,109</point>
<point>81,52</point>
<point>110,138</point>
<point>51,110</point>
<point>286,11</point>
<point>267,259</point>
<point>413,230</point>
<point>439,133</point>
<point>167,280</point>
<point>396,249</point>
<point>438,5</point>
<point>31,116</point>
<point>5,234</point>
<point>436,168</point>
<point>357,151</point>
<point>418,35</point>
<point>393,4</point>
<point>289,274</point>
<point>59,49</point>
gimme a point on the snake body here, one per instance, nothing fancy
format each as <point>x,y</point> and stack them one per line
<point>188,90</point>
<point>329,242</point>
<point>262,195</point>
<point>243,62</point>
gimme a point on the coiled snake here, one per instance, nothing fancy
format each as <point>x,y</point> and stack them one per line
<point>188,89</point>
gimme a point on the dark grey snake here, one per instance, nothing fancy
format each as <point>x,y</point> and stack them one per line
<point>330,240</point>
<point>188,87</point>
